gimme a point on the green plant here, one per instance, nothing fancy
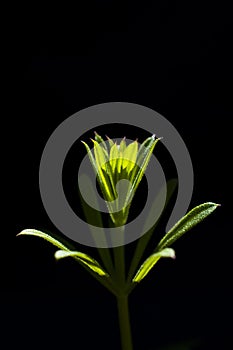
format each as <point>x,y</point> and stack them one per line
<point>112,163</point>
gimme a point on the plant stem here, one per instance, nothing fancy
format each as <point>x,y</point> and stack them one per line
<point>119,260</point>
<point>122,297</point>
<point>124,322</point>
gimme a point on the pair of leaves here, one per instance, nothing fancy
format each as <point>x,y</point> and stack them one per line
<point>187,222</point>
<point>64,252</point>
<point>191,219</point>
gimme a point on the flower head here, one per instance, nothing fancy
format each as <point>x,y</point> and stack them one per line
<point>119,169</point>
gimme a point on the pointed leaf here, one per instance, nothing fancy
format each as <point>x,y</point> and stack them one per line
<point>100,161</point>
<point>84,258</point>
<point>114,156</point>
<point>137,174</point>
<point>130,156</point>
<point>100,155</point>
<point>151,261</point>
<point>32,232</point>
<point>110,142</point>
<point>144,240</point>
<point>92,159</point>
<point>99,173</point>
<point>100,140</point>
<point>143,149</point>
<point>190,220</point>
<point>94,218</point>
<point>122,145</point>
<point>107,166</point>
<point>94,271</point>
<point>145,160</point>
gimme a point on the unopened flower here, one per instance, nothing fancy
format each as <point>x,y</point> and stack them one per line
<point>119,169</point>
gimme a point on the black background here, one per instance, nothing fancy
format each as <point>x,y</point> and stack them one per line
<point>170,56</point>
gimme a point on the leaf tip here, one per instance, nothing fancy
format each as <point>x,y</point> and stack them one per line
<point>214,205</point>
<point>59,254</point>
<point>24,232</point>
<point>173,255</point>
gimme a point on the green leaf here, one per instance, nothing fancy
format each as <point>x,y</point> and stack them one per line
<point>32,232</point>
<point>122,145</point>
<point>94,218</point>
<point>92,159</point>
<point>84,258</point>
<point>187,222</point>
<point>143,162</point>
<point>114,154</point>
<point>96,163</point>
<point>100,140</point>
<point>104,171</point>
<point>143,158</point>
<point>144,240</point>
<point>151,261</point>
<point>100,156</point>
<point>110,142</point>
<point>87,262</point>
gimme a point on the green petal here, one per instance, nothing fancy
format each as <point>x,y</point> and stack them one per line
<point>121,149</point>
<point>122,145</point>
<point>114,154</point>
<point>84,258</point>
<point>151,261</point>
